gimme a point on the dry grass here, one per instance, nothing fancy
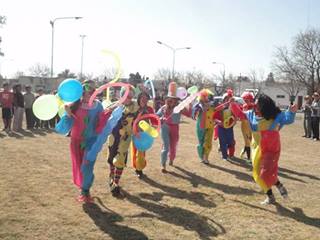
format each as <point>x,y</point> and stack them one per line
<point>193,201</point>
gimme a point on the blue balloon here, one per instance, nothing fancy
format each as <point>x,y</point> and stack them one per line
<point>70,90</point>
<point>143,142</point>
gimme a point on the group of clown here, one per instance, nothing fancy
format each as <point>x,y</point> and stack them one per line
<point>129,125</point>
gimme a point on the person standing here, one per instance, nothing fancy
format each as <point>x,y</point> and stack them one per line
<point>202,111</point>
<point>29,98</point>
<point>307,117</point>
<point>315,116</point>
<point>18,103</point>
<point>6,100</point>
<point>170,126</point>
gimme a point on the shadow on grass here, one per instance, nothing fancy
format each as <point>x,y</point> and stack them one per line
<point>282,171</point>
<point>295,213</point>
<point>196,180</point>
<point>108,221</point>
<point>196,197</point>
<point>237,174</point>
<point>205,227</point>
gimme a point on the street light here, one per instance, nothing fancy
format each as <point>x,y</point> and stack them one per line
<point>52,37</point>
<point>82,37</point>
<point>173,53</point>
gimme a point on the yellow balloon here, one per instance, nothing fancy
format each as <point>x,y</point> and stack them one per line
<point>146,127</point>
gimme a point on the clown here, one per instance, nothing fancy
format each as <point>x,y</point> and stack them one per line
<point>138,157</point>
<point>225,122</point>
<point>266,120</point>
<point>119,141</point>
<point>202,111</point>
<point>248,99</point>
<point>83,122</point>
<point>170,126</point>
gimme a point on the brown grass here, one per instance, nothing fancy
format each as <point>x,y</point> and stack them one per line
<point>193,201</point>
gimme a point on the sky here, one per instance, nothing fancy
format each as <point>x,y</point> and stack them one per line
<point>239,34</point>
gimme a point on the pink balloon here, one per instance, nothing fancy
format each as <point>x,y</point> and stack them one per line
<point>185,103</point>
<point>108,85</point>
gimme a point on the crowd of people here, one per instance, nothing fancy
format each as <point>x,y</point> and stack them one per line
<point>16,104</point>
<point>260,118</point>
<point>311,110</point>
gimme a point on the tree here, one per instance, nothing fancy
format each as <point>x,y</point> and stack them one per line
<point>163,74</point>
<point>39,70</point>
<point>291,86</point>
<point>302,63</point>
<point>135,79</point>
<point>67,74</point>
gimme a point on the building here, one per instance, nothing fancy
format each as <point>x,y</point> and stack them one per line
<point>274,90</point>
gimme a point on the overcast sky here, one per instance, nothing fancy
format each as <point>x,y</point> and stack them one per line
<point>242,34</point>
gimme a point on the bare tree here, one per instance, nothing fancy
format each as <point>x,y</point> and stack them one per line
<point>291,86</point>
<point>67,74</point>
<point>163,74</point>
<point>301,63</point>
<point>39,70</point>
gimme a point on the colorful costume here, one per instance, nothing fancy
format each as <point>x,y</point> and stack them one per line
<point>202,111</point>
<point>225,121</point>
<point>138,158</point>
<point>83,125</point>
<point>266,148</point>
<point>118,144</point>
<point>245,127</point>
<point>170,127</point>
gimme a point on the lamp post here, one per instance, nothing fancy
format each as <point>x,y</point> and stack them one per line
<point>173,54</point>
<point>82,37</point>
<point>52,37</point>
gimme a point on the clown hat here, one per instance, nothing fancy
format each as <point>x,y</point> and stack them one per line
<point>172,90</point>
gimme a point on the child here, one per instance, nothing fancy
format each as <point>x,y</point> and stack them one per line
<point>138,157</point>
<point>170,126</point>
<point>202,111</point>
<point>265,122</point>
<point>6,100</point>
<point>225,121</point>
<point>119,141</point>
<point>245,128</point>
<point>82,120</point>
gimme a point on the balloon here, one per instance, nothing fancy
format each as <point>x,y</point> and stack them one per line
<point>182,93</point>
<point>150,82</point>
<point>145,116</point>
<point>107,86</point>
<point>143,142</point>
<point>61,111</point>
<point>70,90</point>
<point>106,104</point>
<point>45,107</point>
<point>118,68</point>
<point>229,122</point>
<point>193,89</point>
<point>185,103</point>
<point>148,129</point>
<point>92,153</point>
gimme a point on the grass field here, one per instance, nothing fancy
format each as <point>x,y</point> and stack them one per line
<point>192,201</point>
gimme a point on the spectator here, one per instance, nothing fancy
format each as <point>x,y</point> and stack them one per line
<point>307,116</point>
<point>29,98</point>
<point>315,116</point>
<point>6,100</point>
<point>18,103</point>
